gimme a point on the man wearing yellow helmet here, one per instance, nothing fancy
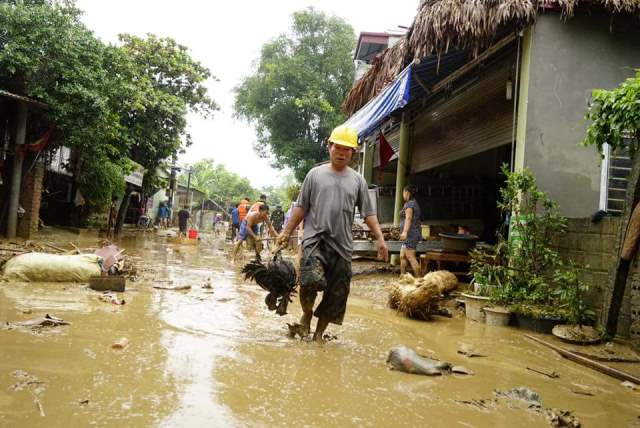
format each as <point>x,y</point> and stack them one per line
<point>327,201</point>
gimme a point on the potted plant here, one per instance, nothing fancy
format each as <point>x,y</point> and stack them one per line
<point>570,294</point>
<point>524,272</point>
<point>485,274</point>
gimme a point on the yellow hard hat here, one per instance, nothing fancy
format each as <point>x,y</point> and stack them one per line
<point>344,136</point>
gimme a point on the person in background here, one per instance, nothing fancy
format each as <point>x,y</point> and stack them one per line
<point>410,231</point>
<point>277,219</point>
<point>235,222</point>
<point>254,208</point>
<point>184,216</point>
<point>243,210</point>
<point>218,224</point>
<point>113,217</point>
<point>256,205</point>
<point>249,231</point>
<point>163,215</point>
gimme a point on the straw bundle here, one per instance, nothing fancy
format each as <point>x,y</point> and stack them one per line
<point>443,279</point>
<point>417,297</point>
<point>417,302</point>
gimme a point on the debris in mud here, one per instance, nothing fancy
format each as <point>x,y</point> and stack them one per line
<point>112,298</point>
<point>582,392</point>
<point>173,287</point>
<point>329,337</point>
<point>552,375</point>
<point>120,344</point>
<point>44,267</point>
<point>461,370</point>
<point>376,270</point>
<point>480,404</point>
<point>407,360</point>
<point>561,418</point>
<point>83,402</point>
<point>630,385</point>
<point>207,284</point>
<point>528,396</point>
<point>469,351</point>
<point>108,283</point>
<point>297,329</point>
<point>531,399</point>
<point>419,297</point>
<point>278,277</point>
<point>580,334</point>
<point>38,323</point>
<point>30,383</point>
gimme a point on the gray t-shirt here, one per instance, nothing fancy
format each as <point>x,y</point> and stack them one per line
<point>329,199</point>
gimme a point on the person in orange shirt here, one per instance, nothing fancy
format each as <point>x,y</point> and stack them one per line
<point>243,209</point>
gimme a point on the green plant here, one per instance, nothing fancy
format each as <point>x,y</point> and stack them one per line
<point>570,292</point>
<point>524,269</point>
<point>615,117</point>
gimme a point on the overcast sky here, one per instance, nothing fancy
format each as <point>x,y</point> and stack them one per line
<point>226,37</point>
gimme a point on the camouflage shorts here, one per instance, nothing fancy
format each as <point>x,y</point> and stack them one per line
<point>322,269</point>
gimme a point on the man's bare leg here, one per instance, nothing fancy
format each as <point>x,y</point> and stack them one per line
<point>321,326</point>
<point>307,299</point>
<point>236,249</point>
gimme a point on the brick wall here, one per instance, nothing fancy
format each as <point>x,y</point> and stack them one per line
<point>592,247</point>
<point>30,194</point>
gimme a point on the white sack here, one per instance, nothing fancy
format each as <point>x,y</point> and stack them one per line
<point>43,267</point>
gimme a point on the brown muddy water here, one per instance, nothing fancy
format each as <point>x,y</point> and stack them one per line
<point>217,357</point>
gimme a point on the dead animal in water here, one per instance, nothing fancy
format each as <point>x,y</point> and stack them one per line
<point>407,360</point>
<point>46,321</point>
<point>278,278</point>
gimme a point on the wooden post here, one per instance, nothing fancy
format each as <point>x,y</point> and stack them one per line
<point>401,174</point>
<point>16,178</point>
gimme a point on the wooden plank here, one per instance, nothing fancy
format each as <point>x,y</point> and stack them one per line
<point>588,362</point>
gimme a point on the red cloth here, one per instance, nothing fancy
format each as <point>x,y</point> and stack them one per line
<point>386,151</point>
<point>41,143</point>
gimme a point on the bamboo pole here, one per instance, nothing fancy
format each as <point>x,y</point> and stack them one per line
<point>588,362</point>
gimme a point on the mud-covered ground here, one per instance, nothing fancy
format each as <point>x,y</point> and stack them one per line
<point>217,357</point>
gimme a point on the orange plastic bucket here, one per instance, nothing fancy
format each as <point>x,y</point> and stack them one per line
<point>193,234</point>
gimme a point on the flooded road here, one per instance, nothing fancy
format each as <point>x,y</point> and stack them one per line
<point>217,357</point>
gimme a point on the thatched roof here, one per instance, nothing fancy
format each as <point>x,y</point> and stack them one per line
<point>443,25</point>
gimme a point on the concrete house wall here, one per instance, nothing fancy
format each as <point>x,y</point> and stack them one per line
<point>566,60</point>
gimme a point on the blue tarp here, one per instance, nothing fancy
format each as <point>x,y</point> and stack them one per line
<point>393,97</point>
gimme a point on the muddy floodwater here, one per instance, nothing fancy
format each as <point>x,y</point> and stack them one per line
<point>216,357</point>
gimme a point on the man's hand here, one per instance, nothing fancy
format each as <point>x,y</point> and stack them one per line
<point>383,251</point>
<point>282,241</point>
<point>403,236</point>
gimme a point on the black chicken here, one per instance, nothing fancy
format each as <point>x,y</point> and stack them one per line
<point>278,278</point>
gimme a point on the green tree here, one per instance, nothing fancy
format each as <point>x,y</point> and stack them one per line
<point>111,103</point>
<point>615,117</point>
<point>283,193</point>
<point>167,84</point>
<point>293,98</point>
<point>219,184</point>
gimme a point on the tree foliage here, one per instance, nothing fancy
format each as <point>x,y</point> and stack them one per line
<point>615,116</point>
<point>113,103</point>
<point>218,183</point>
<point>293,98</point>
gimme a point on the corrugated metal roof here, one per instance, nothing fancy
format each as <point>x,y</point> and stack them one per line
<point>23,98</point>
